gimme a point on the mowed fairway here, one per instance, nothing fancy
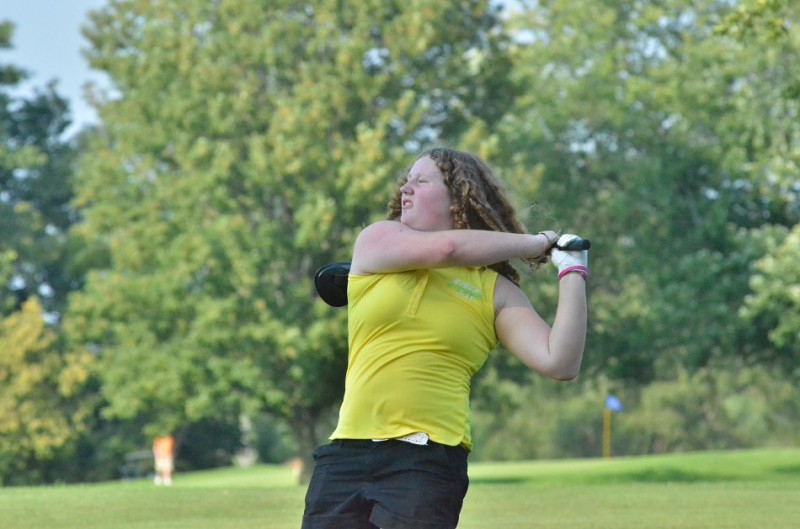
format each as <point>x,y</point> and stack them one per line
<point>714,490</point>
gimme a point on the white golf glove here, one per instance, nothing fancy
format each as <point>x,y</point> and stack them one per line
<point>569,261</point>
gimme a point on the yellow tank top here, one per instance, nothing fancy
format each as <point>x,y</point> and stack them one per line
<point>416,339</point>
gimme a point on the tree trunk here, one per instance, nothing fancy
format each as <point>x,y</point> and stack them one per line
<point>304,427</point>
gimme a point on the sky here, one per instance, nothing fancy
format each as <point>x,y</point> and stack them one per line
<point>47,42</point>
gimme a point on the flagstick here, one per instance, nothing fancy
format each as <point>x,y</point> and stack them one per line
<point>606,433</point>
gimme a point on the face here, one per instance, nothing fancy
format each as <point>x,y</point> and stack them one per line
<point>425,199</point>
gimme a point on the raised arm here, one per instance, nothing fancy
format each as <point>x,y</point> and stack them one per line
<point>390,246</point>
<point>557,351</point>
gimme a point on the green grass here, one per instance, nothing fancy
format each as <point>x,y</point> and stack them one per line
<point>710,490</point>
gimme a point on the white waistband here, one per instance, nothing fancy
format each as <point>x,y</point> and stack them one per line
<point>416,438</point>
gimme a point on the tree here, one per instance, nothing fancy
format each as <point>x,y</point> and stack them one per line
<point>35,168</point>
<point>769,99</point>
<point>38,412</point>
<point>629,115</point>
<point>244,144</point>
<point>775,300</point>
<point>41,414</point>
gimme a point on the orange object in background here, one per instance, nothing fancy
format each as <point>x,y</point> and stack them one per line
<point>163,450</point>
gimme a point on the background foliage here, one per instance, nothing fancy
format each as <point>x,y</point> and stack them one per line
<point>157,267</point>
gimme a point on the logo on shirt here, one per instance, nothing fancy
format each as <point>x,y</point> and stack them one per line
<point>466,291</point>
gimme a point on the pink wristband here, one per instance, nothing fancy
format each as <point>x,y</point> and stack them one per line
<point>582,270</point>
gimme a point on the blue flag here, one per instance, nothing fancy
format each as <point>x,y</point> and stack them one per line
<point>613,403</point>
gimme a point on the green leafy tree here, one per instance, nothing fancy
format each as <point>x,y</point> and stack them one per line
<point>775,300</point>
<point>41,413</point>
<point>629,114</point>
<point>38,411</point>
<point>768,99</point>
<point>35,168</point>
<point>243,145</point>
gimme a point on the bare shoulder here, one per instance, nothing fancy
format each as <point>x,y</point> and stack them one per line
<point>372,243</point>
<point>507,295</point>
<point>379,230</point>
<point>376,235</point>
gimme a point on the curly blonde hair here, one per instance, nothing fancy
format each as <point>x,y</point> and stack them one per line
<point>477,200</point>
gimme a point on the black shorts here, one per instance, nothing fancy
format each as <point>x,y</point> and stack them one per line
<point>363,484</point>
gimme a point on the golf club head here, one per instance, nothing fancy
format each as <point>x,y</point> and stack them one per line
<point>331,283</point>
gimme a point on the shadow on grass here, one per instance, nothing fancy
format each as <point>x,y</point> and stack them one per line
<point>501,480</point>
<point>674,475</point>
<point>652,475</point>
<point>723,467</point>
<point>787,470</point>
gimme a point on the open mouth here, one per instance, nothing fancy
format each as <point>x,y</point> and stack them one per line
<point>405,204</point>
